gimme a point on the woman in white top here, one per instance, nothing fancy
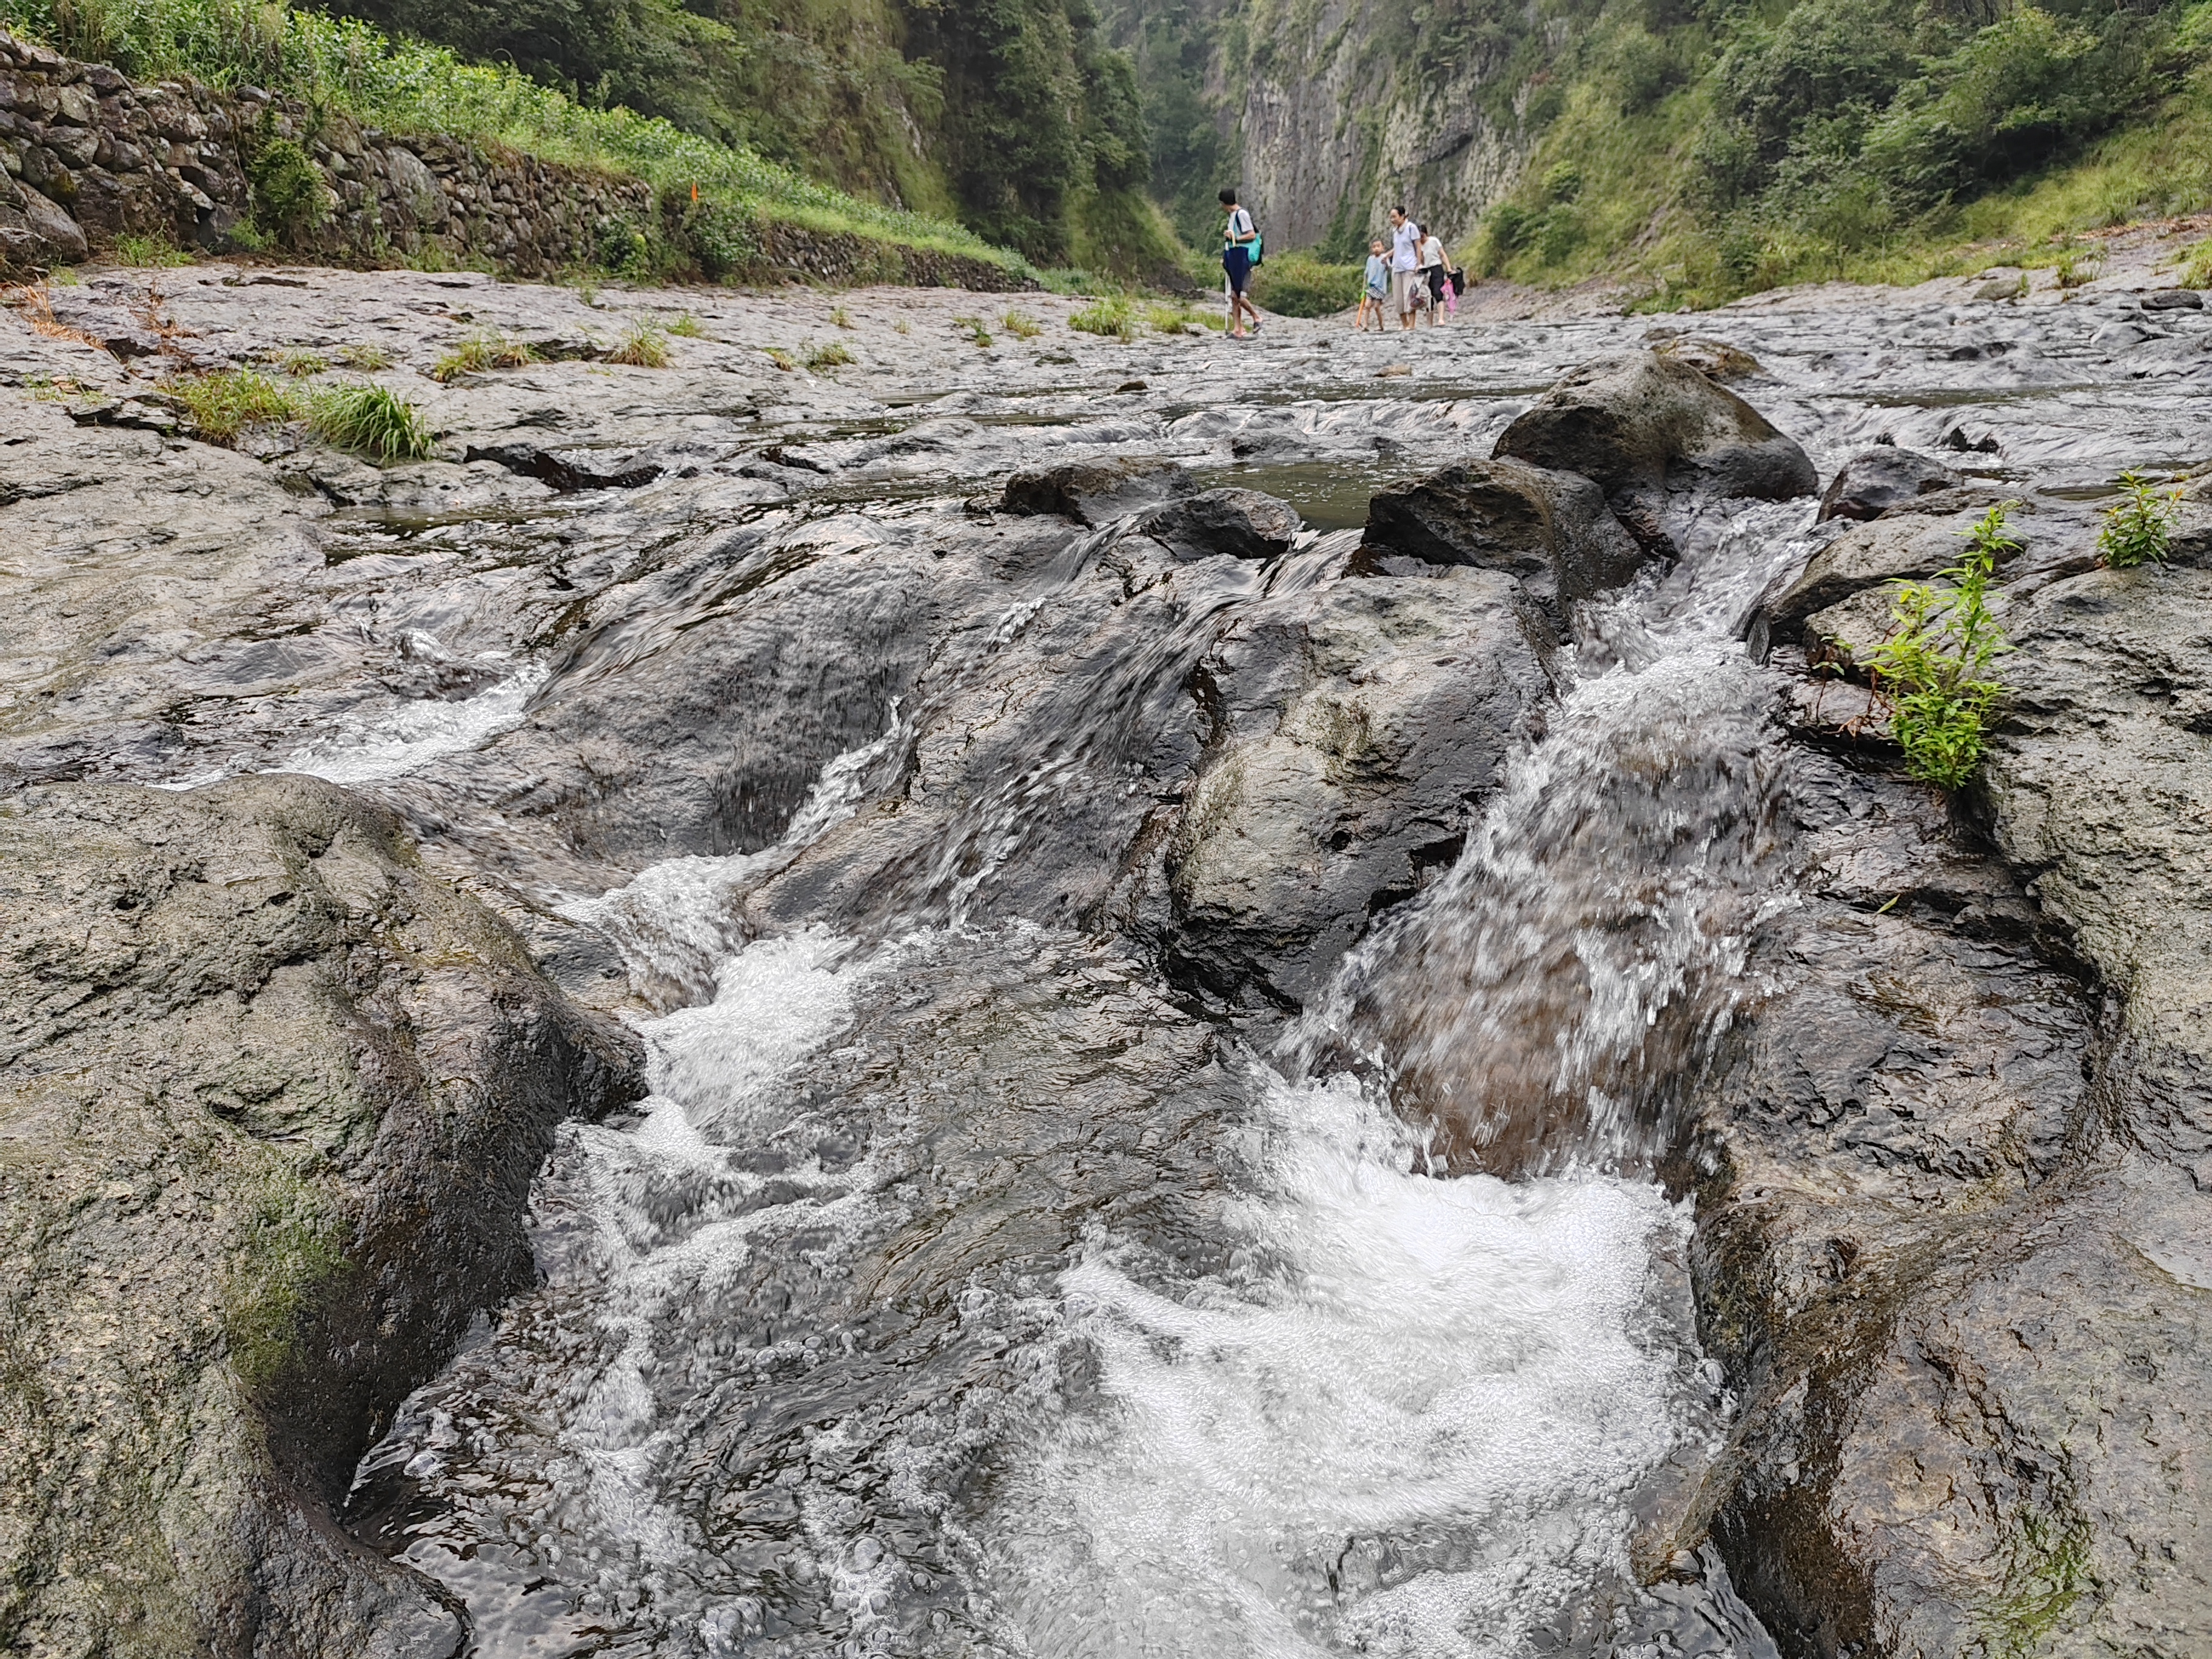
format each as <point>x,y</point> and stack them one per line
<point>1436,271</point>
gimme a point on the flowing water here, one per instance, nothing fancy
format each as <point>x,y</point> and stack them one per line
<point>954,1292</point>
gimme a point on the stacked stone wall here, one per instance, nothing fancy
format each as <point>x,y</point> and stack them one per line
<point>91,157</point>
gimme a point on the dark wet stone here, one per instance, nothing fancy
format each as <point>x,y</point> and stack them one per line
<point>1876,479</point>
<point>271,1099</point>
<point>1552,530</point>
<point>1096,492</point>
<point>1352,730</point>
<point>1241,523</point>
<point>1645,420</point>
<point>568,469</point>
<point>2173,299</point>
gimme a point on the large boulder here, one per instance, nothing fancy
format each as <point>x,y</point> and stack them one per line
<point>1241,523</point>
<point>1096,492</point>
<point>34,232</point>
<point>272,1098</point>
<point>1645,421</point>
<point>1353,729</point>
<point>1550,530</point>
<point>1880,477</point>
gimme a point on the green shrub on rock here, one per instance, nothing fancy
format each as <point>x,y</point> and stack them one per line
<point>1112,316</point>
<point>2139,527</point>
<point>1299,285</point>
<point>1935,666</point>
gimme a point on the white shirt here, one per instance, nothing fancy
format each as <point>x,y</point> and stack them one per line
<point>1433,252</point>
<point>1240,227</point>
<point>1403,243</point>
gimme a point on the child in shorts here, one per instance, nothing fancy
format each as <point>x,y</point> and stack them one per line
<point>1377,288</point>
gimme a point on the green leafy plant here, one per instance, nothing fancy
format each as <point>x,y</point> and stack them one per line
<point>974,329</point>
<point>131,248</point>
<point>686,327</point>
<point>642,346</point>
<point>284,187</point>
<point>372,420</point>
<point>475,354</point>
<point>1935,667</point>
<point>2139,527</point>
<point>2195,267</point>
<point>832,355</point>
<point>1167,320</point>
<point>1110,316</point>
<point>298,364</point>
<point>366,358</point>
<point>225,403</point>
<point>1021,324</point>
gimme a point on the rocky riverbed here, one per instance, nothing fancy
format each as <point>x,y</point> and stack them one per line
<point>1046,994</point>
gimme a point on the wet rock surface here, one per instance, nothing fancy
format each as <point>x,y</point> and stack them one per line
<point>965,768</point>
<point>270,1104</point>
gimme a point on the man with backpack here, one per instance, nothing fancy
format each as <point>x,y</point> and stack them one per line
<point>1239,251</point>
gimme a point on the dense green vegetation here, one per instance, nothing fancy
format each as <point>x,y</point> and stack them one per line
<point>1727,147</point>
<point>344,65</point>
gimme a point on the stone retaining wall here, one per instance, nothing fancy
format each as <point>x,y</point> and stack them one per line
<point>90,156</point>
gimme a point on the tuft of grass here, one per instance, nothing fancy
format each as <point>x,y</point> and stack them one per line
<point>1022,326</point>
<point>642,346</point>
<point>298,365</point>
<point>1935,667</point>
<point>63,277</point>
<point>782,359</point>
<point>1167,320</point>
<point>366,358</point>
<point>2139,527</point>
<point>133,249</point>
<point>686,327</point>
<point>840,317</point>
<point>475,354</point>
<point>974,329</point>
<point>225,403</point>
<point>371,420</point>
<point>833,355</point>
<point>901,326</point>
<point>2195,267</point>
<point>1112,316</point>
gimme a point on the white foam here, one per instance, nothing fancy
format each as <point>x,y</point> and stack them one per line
<point>1411,1371</point>
<point>413,735</point>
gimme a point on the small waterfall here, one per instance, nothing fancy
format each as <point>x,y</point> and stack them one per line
<point>1542,1005</point>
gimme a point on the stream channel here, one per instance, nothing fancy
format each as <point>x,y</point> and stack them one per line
<point>969,1283</point>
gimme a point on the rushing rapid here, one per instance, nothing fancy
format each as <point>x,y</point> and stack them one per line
<point>954,1292</point>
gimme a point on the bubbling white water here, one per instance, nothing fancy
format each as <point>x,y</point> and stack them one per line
<point>1408,1422</point>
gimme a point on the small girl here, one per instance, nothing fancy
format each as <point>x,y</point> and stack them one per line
<point>1377,288</point>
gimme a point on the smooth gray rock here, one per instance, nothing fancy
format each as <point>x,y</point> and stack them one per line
<point>1096,492</point>
<point>1879,478</point>
<point>34,231</point>
<point>1647,420</point>
<point>2173,299</point>
<point>271,1102</point>
<point>1552,530</point>
<point>1241,523</point>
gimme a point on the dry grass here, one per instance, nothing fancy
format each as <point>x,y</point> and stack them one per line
<point>476,354</point>
<point>35,305</point>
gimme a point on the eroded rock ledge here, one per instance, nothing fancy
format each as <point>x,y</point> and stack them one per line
<point>272,1098</point>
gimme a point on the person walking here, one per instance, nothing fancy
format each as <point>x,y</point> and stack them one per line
<point>1436,273</point>
<point>1238,239</point>
<point>1377,286</point>
<point>1405,262</point>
